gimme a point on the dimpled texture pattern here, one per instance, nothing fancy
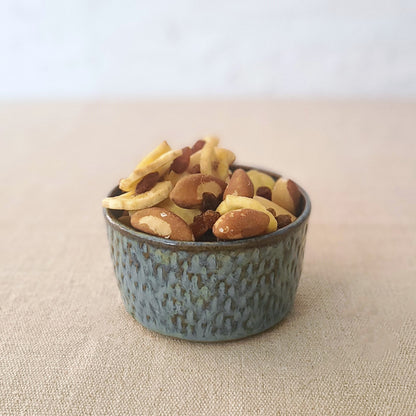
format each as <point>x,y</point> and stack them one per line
<point>208,295</point>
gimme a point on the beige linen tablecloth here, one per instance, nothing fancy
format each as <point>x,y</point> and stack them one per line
<point>67,346</point>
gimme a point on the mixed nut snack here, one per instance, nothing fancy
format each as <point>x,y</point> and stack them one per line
<point>192,195</point>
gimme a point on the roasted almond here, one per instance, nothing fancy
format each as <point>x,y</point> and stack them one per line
<point>162,223</point>
<point>241,223</point>
<point>286,194</point>
<point>240,185</point>
<point>188,192</point>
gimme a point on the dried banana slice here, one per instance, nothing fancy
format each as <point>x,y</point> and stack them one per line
<point>211,140</point>
<point>154,154</point>
<point>260,179</point>
<point>276,208</point>
<point>187,214</point>
<point>160,165</point>
<point>207,159</point>
<point>195,160</point>
<point>174,177</point>
<point>225,158</point>
<point>131,201</point>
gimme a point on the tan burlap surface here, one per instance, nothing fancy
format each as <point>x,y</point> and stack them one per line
<point>67,346</point>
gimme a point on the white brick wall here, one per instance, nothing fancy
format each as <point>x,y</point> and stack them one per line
<point>171,48</point>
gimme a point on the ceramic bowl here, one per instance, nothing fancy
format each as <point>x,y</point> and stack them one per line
<point>208,291</point>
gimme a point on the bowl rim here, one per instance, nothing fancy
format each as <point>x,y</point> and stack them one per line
<point>261,240</point>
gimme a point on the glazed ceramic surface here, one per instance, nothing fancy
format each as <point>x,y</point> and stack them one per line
<point>208,291</point>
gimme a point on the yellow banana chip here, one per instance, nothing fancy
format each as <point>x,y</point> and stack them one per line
<point>161,164</point>
<point>174,177</point>
<point>194,160</point>
<point>207,159</point>
<point>211,140</point>
<point>260,179</point>
<point>130,201</point>
<point>154,154</point>
<point>225,158</point>
<point>277,208</point>
<point>187,215</point>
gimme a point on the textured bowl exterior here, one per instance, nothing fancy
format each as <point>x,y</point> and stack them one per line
<point>208,291</point>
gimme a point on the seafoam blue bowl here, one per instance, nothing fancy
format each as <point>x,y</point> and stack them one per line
<point>208,291</point>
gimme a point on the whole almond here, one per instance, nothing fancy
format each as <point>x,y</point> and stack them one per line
<point>240,185</point>
<point>162,223</point>
<point>286,194</point>
<point>188,192</point>
<point>241,223</point>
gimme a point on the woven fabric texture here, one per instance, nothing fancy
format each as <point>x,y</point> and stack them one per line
<point>348,347</point>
